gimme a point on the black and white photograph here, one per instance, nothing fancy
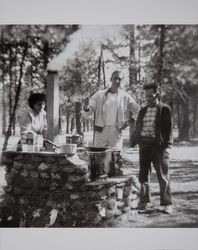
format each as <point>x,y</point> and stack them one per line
<point>99,130</point>
<point>99,125</point>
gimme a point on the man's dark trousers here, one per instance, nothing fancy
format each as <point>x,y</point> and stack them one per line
<point>151,153</point>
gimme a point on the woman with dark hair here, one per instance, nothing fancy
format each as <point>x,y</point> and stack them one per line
<point>35,119</point>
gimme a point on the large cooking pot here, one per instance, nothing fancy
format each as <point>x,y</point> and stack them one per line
<point>103,162</point>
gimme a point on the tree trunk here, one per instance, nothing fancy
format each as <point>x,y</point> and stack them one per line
<point>132,62</point>
<point>10,86</point>
<point>178,112</point>
<point>184,128</point>
<point>72,125</point>
<point>132,70</point>
<point>45,55</point>
<point>15,87</point>
<point>2,79</point>
<point>161,56</point>
<point>139,56</point>
<point>195,120</point>
<point>4,121</point>
<point>78,117</point>
<point>67,121</point>
<point>87,124</point>
<point>84,125</point>
<point>8,132</point>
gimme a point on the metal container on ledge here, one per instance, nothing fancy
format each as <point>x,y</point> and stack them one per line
<point>68,139</point>
<point>77,139</point>
<point>28,142</point>
<point>30,138</point>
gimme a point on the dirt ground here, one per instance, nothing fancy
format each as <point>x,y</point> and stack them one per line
<point>184,186</point>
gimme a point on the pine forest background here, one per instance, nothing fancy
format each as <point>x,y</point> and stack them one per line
<point>167,54</point>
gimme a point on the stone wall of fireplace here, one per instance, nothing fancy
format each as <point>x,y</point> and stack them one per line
<point>52,190</point>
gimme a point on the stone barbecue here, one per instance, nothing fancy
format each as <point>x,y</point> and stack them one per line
<point>48,189</point>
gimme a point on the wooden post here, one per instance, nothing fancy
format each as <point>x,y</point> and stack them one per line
<point>52,105</point>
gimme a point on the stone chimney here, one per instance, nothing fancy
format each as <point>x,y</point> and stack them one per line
<point>52,105</point>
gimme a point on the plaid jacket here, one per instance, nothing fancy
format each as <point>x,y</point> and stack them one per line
<point>163,126</point>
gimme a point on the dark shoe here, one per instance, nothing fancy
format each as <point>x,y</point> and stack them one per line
<point>168,209</point>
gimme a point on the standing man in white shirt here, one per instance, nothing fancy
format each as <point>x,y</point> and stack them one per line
<point>113,110</point>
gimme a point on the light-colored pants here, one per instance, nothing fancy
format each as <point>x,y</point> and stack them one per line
<point>109,137</point>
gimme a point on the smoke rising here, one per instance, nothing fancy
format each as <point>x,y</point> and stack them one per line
<point>94,33</point>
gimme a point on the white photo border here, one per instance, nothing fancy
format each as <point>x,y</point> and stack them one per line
<point>98,12</point>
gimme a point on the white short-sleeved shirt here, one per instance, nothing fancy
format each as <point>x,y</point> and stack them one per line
<point>110,109</point>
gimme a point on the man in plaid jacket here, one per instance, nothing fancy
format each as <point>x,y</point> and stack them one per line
<point>153,134</point>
